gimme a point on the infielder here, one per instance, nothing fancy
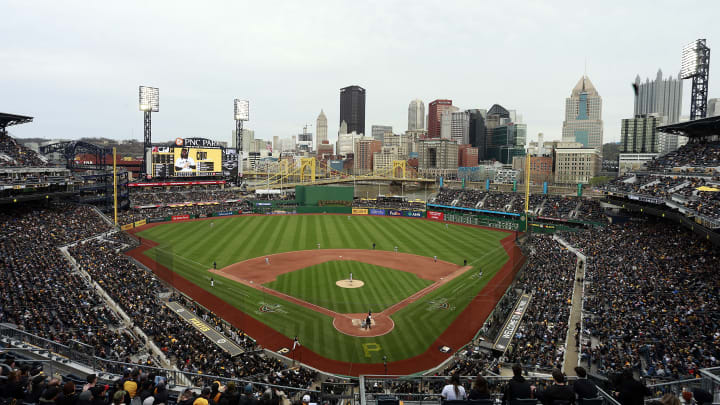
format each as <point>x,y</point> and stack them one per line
<point>267,260</point>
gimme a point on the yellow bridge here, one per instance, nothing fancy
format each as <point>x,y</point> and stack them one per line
<point>286,174</point>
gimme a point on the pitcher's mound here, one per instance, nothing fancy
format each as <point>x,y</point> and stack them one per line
<point>349,284</point>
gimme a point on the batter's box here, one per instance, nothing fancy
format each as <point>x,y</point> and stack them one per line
<point>360,323</point>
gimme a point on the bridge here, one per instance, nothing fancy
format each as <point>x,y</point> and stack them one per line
<point>309,171</point>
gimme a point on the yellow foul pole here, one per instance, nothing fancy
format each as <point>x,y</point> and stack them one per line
<point>527,189</point>
<point>115,182</point>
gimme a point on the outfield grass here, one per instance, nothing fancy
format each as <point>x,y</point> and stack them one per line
<point>316,284</point>
<point>189,248</point>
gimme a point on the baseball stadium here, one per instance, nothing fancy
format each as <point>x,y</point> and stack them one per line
<point>194,271</point>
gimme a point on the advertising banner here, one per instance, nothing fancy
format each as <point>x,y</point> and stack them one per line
<point>180,217</point>
<point>512,323</point>
<point>395,213</point>
<point>545,187</point>
<point>487,184</point>
<point>375,211</point>
<point>263,204</point>
<point>435,215</point>
<point>140,223</point>
<point>126,227</point>
<point>163,219</point>
<point>224,213</point>
<point>359,211</point>
<point>177,183</point>
<point>414,214</point>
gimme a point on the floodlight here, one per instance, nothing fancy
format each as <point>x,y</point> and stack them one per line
<point>149,99</point>
<point>242,110</point>
<point>690,59</point>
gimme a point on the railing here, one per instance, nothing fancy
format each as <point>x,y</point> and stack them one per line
<point>426,389</point>
<point>115,369</point>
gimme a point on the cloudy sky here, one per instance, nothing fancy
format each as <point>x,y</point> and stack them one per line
<point>76,65</point>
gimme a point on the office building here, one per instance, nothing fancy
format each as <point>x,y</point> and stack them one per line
<point>364,155</point>
<point>436,108</point>
<point>379,131</point>
<point>640,134</point>
<point>446,122</point>
<point>325,150</point>
<point>476,131</point>
<point>352,108</point>
<point>575,163</point>
<point>583,116</point>
<point>437,154</point>
<point>713,107</point>
<point>416,115</point>
<point>663,97</point>
<point>508,140</point>
<point>541,168</point>
<point>383,160</point>
<point>467,156</point>
<point>321,127</point>
<point>496,116</point>
<point>403,144</point>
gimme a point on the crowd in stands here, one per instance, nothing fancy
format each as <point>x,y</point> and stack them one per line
<point>138,293</point>
<point>698,156</point>
<point>399,203</point>
<point>137,214</point>
<point>13,154</point>
<point>184,196</point>
<point>559,207</point>
<point>651,299</point>
<point>42,295</point>
<point>540,204</point>
<point>24,382</point>
<point>549,276</point>
<point>45,296</point>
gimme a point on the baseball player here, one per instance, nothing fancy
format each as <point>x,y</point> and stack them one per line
<point>267,260</point>
<point>212,282</point>
<point>435,259</point>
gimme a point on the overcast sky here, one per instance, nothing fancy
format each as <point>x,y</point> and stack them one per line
<point>76,65</point>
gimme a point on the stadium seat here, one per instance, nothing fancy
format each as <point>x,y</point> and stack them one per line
<point>590,401</point>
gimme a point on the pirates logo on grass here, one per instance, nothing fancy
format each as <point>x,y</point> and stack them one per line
<point>266,308</point>
<point>440,304</point>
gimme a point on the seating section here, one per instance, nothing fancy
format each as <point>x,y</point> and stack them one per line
<point>13,154</point>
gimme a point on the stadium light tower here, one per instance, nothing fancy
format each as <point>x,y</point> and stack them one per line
<point>242,114</point>
<point>695,65</point>
<point>149,103</point>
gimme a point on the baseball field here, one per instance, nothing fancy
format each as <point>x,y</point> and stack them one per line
<point>278,277</point>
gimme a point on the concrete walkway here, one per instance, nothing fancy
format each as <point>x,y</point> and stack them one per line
<point>571,354</point>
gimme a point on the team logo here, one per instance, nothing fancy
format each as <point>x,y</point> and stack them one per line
<point>266,308</point>
<point>440,304</point>
<point>179,141</point>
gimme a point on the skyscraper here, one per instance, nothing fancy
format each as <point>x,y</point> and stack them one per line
<point>352,108</point>
<point>436,107</point>
<point>497,115</point>
<point>583,116</point>
<point>378,131</point>
<point>476,131</point>
<point>660,96</point>
<point>640,135</point>
<point>321,126</point>
<point>416,115</point>
<point>446,122</point>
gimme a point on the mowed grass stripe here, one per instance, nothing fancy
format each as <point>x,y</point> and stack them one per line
<point>383,286</point>
<point>252,237</point>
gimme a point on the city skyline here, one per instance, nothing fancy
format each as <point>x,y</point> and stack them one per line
<point>80,79</point>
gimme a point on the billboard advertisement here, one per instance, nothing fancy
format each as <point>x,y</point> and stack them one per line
<point>435,215</point>
<point>186,161</point>
<point>140,223</point>
<point>375,211</point>
<point>395,213</point>
<point>414,214</point>
<point>180,217</point>
<point>360,211</point>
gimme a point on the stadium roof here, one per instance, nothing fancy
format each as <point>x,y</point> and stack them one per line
<point>7,120</point>
<point>696,128</point>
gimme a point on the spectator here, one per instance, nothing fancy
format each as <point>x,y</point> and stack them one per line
<point>454,391</point>
<point>558,393</point>
<point>584,388</point>
<point>480,390</point>
<point>630,391</point>
<point>517,387</point>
